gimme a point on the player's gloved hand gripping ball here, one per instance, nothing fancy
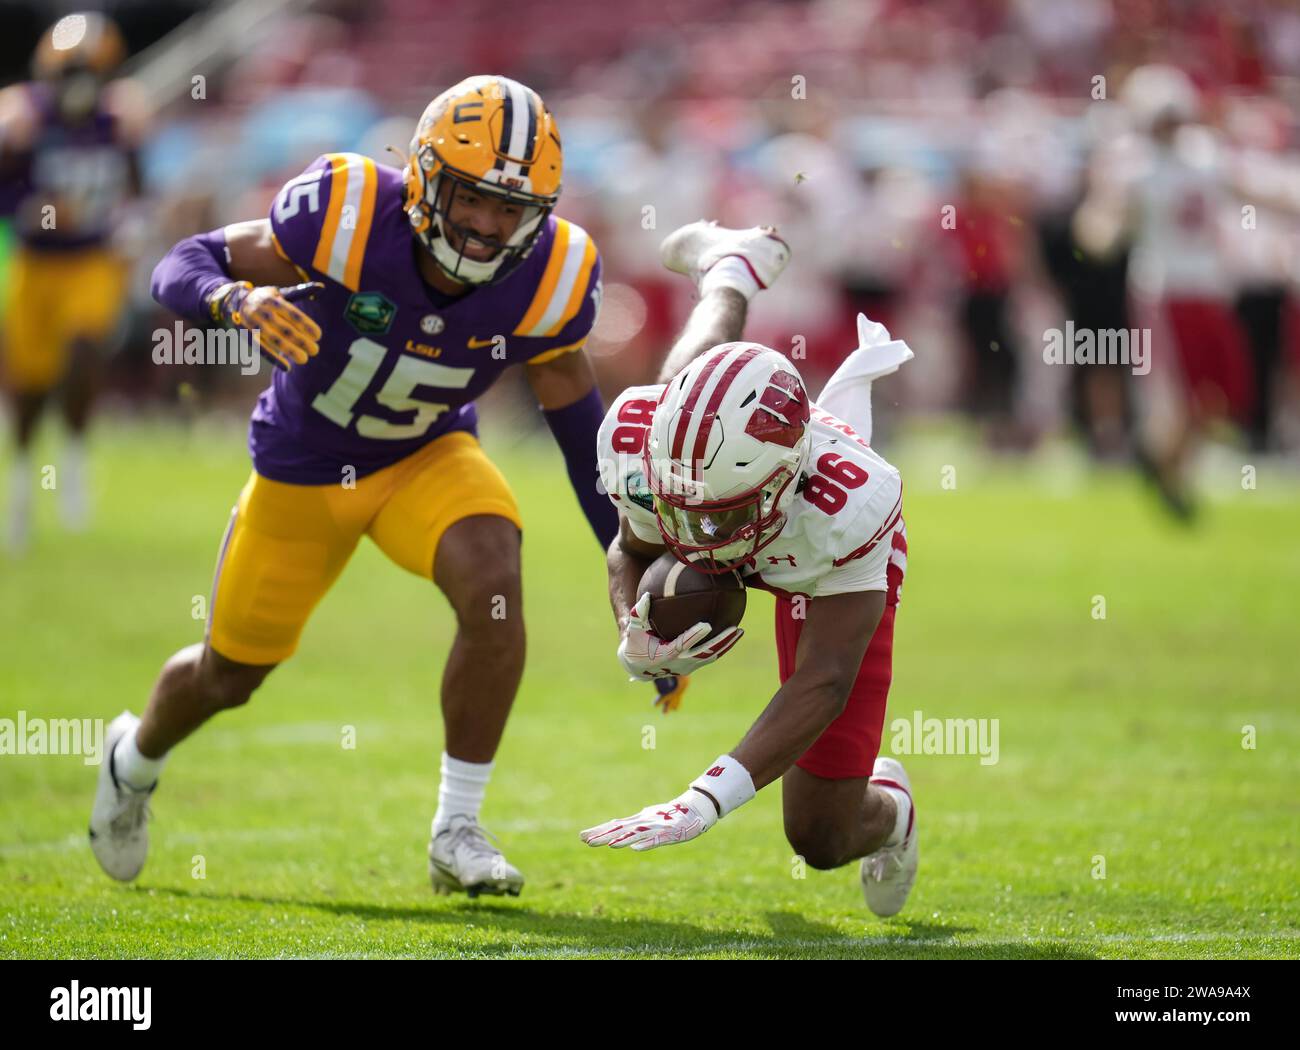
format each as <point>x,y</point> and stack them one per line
<point>645,656</point>
<point>284,331</point>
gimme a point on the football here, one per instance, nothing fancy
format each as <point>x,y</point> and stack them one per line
<point>682,597</point>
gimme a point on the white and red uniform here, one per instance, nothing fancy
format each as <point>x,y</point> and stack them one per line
<point>1179,266</point>
<point>844,533</point>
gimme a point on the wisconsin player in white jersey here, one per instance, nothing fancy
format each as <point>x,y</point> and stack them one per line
<point>730,465</point>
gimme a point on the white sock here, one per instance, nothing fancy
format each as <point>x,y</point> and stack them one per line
<point>730,272</point>
<point>75,503</point>
<point>903,805</point>
<point>20,499</point>
<point>461,791</point>
<point>132,768</point>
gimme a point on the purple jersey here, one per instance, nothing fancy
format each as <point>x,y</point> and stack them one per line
<point>400,364</point>
<point>83,170</point>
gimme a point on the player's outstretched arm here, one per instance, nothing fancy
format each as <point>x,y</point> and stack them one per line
<point>236,276</point>
<point>253,255</point>
<point>566,390</point>
<point>17,129</point>
<point>831,647</point>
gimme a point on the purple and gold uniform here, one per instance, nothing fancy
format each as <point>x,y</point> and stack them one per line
<point>400,364</point>
<point>68,182</point>
<point>376,434</point>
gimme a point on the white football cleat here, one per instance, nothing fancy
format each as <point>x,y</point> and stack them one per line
<point>692,249</point>
<point>463,858</point>
<point>889,872</point>
<point>119,831</point>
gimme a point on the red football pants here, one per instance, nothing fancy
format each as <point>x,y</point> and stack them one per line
<point>849,745</point>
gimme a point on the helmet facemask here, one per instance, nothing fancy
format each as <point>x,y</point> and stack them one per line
<point>431,219</point>
<point>76,90</point>
<point>717,536</point>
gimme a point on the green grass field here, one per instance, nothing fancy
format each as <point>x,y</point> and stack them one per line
<point>1120,738</point>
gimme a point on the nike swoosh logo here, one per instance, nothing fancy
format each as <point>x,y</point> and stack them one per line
<point>476,344</point>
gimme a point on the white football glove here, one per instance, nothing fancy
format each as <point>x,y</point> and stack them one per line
<point>645,656</point>
<point>686,817</point>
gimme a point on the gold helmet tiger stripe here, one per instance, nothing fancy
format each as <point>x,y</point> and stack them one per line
<point>496,136</point>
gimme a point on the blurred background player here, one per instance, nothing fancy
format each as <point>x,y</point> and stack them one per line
<point>390,299</point>
<point>1166,190</point>
<point>68,164</point>
<point>989,251</point>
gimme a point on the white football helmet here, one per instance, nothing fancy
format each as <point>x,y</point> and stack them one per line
<point>727,444</point>
<point>1156,93</point>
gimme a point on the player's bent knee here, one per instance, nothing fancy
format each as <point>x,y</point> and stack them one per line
<point>477,568</point>
<point>224,683</point>
<point>817,850</point>
<point>490,599</point>
<point>479,542</point>
<point>491,614</point>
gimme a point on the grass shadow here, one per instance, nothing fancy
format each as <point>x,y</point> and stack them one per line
<point>517,931</point>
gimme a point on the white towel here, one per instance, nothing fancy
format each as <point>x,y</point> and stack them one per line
<point>847,393</point>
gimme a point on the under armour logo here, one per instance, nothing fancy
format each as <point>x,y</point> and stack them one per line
<point>783,557</point>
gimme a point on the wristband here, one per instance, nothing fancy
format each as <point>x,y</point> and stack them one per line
<point>727,783</point>
<point>220,308</point>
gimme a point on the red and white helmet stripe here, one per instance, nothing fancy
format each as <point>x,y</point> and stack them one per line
<point>730,431</point>
<point>690,428</point>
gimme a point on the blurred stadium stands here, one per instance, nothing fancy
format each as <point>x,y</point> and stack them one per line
<point>849,123</point>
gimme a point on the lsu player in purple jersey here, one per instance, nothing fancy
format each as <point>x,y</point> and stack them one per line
<point>390,299</point>
<point>68,141</point>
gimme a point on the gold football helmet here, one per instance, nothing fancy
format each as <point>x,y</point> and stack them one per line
<point>76,56</point>
<point>496,137</point>
<point>86,42</point>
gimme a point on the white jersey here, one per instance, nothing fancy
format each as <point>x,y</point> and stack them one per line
<point>1177,247</point>
<point>845,528</point>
